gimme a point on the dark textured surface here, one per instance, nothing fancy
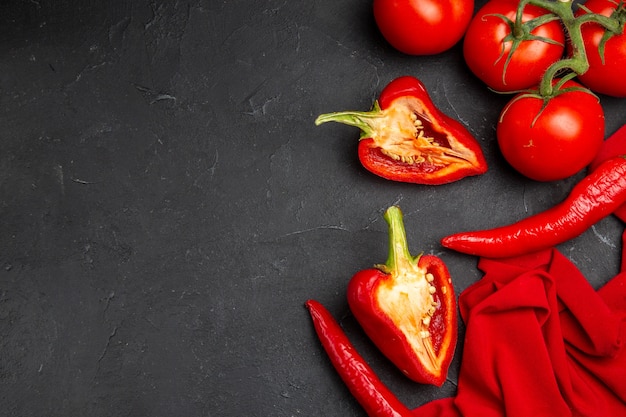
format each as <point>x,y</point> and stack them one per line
<point>167,204</point>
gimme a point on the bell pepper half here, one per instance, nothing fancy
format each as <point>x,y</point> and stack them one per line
<point>406,138</point>
<point>407,307</point>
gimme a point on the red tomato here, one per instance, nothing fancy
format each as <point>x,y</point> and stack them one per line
<point>423,27</point>
<point>552,142</point>
<point>604,77</point>
<point>486,50</point>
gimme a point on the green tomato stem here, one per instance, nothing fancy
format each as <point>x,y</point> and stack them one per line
<point>577,62</point>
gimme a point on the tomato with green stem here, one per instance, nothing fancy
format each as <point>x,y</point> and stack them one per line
<point>606,50</point>
<point>551,138</point>
<point>423,27</point>
<point>509,48</point>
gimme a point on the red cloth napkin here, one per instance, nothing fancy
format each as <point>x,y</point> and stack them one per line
<point>540,341</point>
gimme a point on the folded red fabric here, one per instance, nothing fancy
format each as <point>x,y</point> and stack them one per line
<point>539,341</point>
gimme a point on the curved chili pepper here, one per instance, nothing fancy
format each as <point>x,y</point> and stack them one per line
<point>615,145</point>
<point>595,197</point>
<point>407,307</point>
<point>359,377</point>
<point>406,138</point>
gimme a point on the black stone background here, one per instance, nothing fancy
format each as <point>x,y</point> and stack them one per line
<point>167,204</point>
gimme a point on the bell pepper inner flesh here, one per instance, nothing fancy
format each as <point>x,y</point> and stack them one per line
<point>404,132</point>
<point>408,302</point>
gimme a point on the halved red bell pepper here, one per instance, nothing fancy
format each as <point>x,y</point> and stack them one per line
<point>406,138</point>
<point>407,307</point>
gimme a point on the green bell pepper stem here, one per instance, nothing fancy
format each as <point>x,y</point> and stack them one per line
<point>361,119</point>
<point>399,257</point>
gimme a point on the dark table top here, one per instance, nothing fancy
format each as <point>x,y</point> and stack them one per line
<point>167,204</point>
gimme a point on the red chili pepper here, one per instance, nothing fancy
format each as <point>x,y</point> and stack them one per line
<point>406,138</point>
<point>359,377</point>
<point>595,197</point>
<point>408,308</point>
<point>615,145</point>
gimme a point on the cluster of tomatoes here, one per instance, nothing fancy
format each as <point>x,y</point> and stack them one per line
<point>545,55</point>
